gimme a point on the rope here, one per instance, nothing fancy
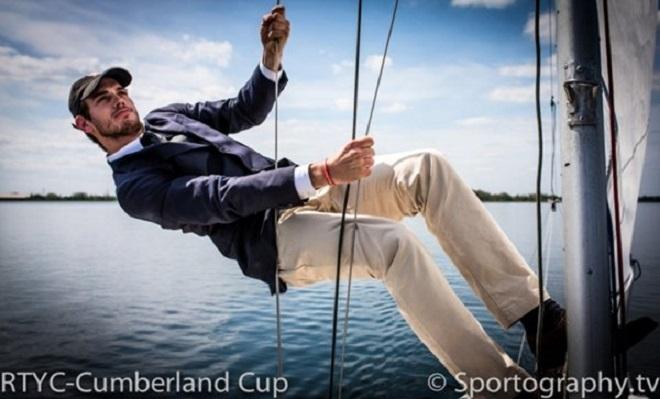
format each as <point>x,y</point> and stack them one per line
<point>278,311</point>
<point>617,217</point>
<point>345,203</point>
<point>280,355</point>
<point>553,105</point>
<point>549,232</point>
<point>355,202</point>
<point>539,243</point>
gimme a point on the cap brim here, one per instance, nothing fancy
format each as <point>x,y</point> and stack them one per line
<point>121,75</point>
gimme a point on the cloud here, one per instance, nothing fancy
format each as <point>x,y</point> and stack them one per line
<point>157,80</point>
<point>42,145</point>
<point>395,108</point>
<point>401,88</point>
<point>45,77</point>
<point>202,49</point>
<point>518,71</point>
<point>528,69</point>
<point>476,121</point>
<point>341,67</point>
<point>373,62</point>
<point>547,27</point>
<point>48,56</point>
<point>344,104</point>
<point>519,94</point>
<point>482,3</point>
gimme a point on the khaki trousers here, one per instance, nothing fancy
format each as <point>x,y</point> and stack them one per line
<point>403,185</point>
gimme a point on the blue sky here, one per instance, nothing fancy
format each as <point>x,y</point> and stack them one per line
<point>459,79</point>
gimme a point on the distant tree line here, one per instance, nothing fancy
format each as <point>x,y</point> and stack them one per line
<point>483,195</point>
<point>506,197</point>
<point>78,196</point>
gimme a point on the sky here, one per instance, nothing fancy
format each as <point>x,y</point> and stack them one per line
<point>459,78</point>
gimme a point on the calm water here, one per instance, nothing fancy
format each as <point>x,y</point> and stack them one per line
<point>83,287</point>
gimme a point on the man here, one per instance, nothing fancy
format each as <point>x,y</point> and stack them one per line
<point>182,170</point>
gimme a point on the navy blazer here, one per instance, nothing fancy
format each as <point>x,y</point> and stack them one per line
<point>207,183</point>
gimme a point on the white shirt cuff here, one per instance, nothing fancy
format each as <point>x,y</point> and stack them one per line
<point>269,74</point>
<point>302,181</point>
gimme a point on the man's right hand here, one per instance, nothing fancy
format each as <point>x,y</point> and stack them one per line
<point>274,34</point>
<point>354,161</point>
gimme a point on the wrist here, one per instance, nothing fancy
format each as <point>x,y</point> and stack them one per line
<point>316,175</point>
<point>271,61</point>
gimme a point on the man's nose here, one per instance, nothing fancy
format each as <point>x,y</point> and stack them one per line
<point>119,102</point>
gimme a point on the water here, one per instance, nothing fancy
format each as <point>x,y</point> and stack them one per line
<point>83,287</point>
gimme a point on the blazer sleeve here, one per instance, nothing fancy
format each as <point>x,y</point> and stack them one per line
<point>204,200</point>
<point>249,108</point>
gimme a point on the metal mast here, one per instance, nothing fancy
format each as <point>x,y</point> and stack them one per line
<point>584,195</point>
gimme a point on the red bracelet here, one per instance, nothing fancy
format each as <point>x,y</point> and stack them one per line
<point>326,173</point>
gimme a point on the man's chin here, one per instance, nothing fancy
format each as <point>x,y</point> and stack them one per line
<point>128,128</point>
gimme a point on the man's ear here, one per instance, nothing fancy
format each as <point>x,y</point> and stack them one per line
<point>83,124</point>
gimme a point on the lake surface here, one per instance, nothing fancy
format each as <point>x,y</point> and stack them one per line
<point>85,288</point>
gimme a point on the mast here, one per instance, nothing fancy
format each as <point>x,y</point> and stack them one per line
<point>587,275</point>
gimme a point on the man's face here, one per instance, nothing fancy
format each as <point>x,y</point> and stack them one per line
<point>111,111</point>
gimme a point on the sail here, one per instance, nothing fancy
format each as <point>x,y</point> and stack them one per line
<point>632,34</point>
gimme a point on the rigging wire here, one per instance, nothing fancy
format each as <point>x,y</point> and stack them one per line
<point>553,104</point>
<point>355,203</point>
<point>549,232</point>
<point>539,238</point>
<point>278,311</point>
<point>615,184</point>
<point>335,309</point>
<point>549,229</point>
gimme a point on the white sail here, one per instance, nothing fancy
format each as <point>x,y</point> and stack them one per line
<point>632,33</point>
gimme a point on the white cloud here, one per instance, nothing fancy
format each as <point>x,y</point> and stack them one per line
<point>16,66</point>
<point>43,78</point>
<point>482,3</point>
<point>547,27</point>
<point>476,121</point>
<point>518,71</point>
<point>158,80</point>
<point>518,94</point>
<point>341,67</point>
<point>191,50</point>
<point>44,145</point>
<point>528,69</point>
<point>344,104</point>
<point>436,82</point>
<point>406,86</point>
<point>55,56</point>
<point>515,94</point>
<point>395,107</point>
<point>373,62</point>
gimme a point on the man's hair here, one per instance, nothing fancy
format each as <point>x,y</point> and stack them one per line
<point>84,112</point>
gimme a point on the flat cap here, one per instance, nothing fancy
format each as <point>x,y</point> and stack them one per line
<point>86,85</point>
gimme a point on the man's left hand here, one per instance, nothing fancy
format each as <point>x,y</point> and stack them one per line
<point>274,34</point>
